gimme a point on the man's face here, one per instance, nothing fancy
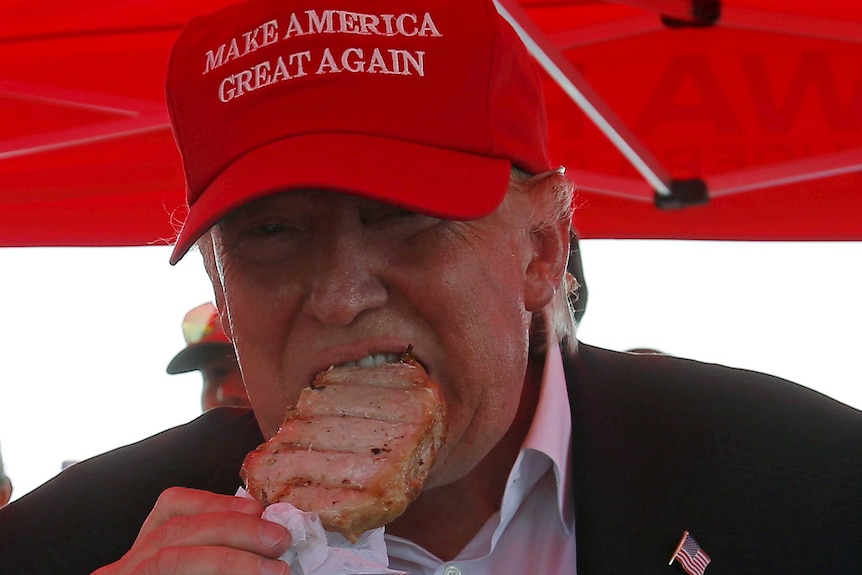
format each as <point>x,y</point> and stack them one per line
<point>5,490</point>
<point>223,384</point>
<point>314,279</point>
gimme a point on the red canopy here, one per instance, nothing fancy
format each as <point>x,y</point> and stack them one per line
<point>748,113</point>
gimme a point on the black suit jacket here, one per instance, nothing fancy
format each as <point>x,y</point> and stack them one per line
<point>765,474</point>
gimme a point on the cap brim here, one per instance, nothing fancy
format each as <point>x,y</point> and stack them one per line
<point>194,356</point>
<point>439,182</point>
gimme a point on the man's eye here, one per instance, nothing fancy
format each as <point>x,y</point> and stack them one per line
<point>265,242</point>
<point>268,230</point>
<point>279,230</point>
<point>401,213</point>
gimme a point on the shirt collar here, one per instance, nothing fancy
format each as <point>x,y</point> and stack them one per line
<point>547,444</point>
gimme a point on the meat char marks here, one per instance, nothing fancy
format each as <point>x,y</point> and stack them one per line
<point>356,448</point>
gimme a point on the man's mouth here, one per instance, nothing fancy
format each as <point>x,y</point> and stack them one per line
<point>373,360</point>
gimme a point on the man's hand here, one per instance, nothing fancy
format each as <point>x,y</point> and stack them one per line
<point>194,532</point>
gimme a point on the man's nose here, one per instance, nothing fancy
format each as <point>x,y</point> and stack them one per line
<point>346,282</point>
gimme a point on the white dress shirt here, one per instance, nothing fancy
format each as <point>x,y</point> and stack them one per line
<point>534,530</point>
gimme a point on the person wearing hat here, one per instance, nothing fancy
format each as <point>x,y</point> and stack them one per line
<point>210,351</point>
<point>369,177</point>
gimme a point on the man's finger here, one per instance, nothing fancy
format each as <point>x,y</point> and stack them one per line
<point>182,501</point>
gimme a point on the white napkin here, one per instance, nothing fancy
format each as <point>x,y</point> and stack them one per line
<point>318,552</point>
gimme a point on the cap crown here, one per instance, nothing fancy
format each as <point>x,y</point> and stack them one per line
<point>336,95</point>
<point>202,325</point>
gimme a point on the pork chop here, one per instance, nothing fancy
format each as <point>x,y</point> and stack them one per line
<point>356,448</point>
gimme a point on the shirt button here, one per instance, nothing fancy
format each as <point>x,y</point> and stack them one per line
<point>452,570</point>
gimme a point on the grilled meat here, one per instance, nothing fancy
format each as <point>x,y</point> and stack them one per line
<point>356,448</point>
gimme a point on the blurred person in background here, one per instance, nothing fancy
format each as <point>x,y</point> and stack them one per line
<point>5,484</point>
<point>210,351</point>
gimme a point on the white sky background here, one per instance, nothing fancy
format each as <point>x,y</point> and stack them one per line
<point>86,333</point>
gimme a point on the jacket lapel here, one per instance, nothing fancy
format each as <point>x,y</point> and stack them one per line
<point>632,489</point>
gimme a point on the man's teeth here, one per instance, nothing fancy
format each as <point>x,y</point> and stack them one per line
<point>374,360</point>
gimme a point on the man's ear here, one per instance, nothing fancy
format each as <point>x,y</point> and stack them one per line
<point>544,273</point>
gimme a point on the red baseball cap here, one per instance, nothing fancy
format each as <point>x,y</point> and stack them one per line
<point>205,339</point>
<point>424,104</point>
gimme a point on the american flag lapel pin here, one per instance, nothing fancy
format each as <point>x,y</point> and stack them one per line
<point>689,554</point>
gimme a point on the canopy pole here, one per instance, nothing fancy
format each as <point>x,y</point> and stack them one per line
<point>586,99</point>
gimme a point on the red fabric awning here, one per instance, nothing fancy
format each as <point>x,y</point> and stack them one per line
<point>756,103</point>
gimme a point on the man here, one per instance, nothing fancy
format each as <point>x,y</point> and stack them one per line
<point>373,176</point>
<point>210,351</point>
